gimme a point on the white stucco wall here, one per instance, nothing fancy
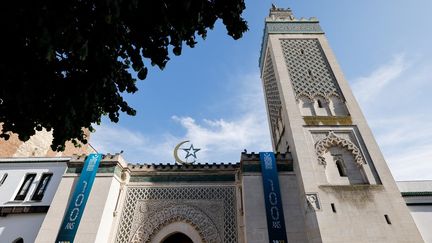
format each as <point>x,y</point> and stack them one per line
<point>422,216</point>
<point>419,206</point>
<point>254,208</point>
<point>26,225</point>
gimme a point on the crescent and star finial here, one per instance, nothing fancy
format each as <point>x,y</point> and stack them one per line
<point>191,151</point>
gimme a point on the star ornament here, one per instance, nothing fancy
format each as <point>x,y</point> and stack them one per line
<point>191,151</point>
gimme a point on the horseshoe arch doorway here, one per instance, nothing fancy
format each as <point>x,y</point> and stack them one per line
<point>177,237</point>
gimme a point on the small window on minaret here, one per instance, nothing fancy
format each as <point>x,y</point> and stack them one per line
<point>387,218</point>
<point>310,75</point>
<point>340,166</point>
<point>302,51</point>
<point>333,207</point>
<point>320,105</point>
<point>340,169</point>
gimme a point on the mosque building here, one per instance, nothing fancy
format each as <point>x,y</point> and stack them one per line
<point>325,181</point>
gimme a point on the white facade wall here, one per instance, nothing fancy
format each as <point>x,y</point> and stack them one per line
<point>255,220</point>
<point>418,196</point>
<point>26,225</point>
<point>97,221</point>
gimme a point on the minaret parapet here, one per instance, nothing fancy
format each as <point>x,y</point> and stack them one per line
<point>282,21</point>
<point>285,14</point>
<point>280,13</point>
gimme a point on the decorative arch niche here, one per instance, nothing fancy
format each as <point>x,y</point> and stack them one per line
<point>342,160</point>
<point>337,106</point>
<point>306,105</point>
<point>182,214</point>
<point>332,140</point>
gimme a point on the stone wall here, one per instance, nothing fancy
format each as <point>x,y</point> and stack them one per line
<point>39,146</point>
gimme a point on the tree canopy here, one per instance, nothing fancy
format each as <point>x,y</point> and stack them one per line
<point>65,64</point>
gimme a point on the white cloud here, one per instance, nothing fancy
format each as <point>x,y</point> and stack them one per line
<point>113,138</point>
<point>370,86</point>
<point>220,140</point>
<point>396,101</point>
<point>413,163</point>
<point>224,140</point>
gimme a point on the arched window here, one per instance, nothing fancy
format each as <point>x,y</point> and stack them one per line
<point>322,108</point>
<point>341,167</point>
<point>18,240</point>
<point>337,106</point>
<point>177,238</point>
<point>306,106</point>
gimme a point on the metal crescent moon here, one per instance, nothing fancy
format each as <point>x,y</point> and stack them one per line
<point>177,159</point>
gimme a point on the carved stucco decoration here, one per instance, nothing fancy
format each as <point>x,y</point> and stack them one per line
<point>310,72</point>
<point>177,213</point>
<point>142,203</point>
<point>332,140</point>
<point>274,103</point>
<point>312,201</point>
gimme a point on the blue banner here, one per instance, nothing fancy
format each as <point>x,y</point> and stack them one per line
<point>272,198</point>
<point>75,210</point>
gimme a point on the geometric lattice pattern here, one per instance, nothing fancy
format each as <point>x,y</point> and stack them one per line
<point>134,194</point>
<point>272,93</point>
<point>309,70</point>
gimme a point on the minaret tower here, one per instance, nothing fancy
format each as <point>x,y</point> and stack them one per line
<point>346,188</point>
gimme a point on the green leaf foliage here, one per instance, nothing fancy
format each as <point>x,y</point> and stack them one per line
<point>64,64</point>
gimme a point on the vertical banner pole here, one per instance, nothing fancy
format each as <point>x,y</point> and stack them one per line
<point>272,198</point>
<point>77,204</point>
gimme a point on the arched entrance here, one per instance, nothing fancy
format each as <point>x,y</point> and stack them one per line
<point>177,238</point>
<point>180,232</point>
<point>186,219</point>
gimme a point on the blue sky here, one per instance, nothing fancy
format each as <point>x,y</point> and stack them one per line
<point>212,94</point>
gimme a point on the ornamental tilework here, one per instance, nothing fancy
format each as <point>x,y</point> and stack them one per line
<point>294,27</point>
<point>271,92</point>
<point>210,210</point>
<point>309,70</point>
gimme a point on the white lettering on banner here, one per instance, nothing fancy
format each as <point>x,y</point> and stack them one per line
<point>273,198</point>
<point>273,203</point>
<point>276,224</point>
<point>271,184</point>
<point>274,213</point>
<point>274,209</point>
<point>74,214</point>
<point>268,162</point>
<point>75,211</point>
<point>78,202</point>
<point>92,163</point>
<point>70,226</point>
